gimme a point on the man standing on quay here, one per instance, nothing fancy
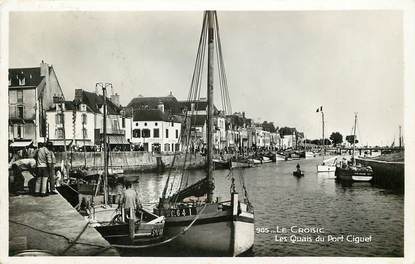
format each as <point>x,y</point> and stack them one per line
<point>44,160</point>
<point>51,167</point>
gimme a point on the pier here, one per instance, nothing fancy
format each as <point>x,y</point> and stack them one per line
<point>52,226</point>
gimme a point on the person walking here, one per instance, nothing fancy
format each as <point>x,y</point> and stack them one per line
<point>44,160</point>
<point>51,168</point>
<point>130,201</point>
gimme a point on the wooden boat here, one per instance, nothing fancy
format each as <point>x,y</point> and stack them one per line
<point>200,224</point>
<point>221,164</point>
<point>264,159</point>
<point>241,163</point>
<point>279,157</point>
<point>108,218</point>
<point>350,171</point>
<point>325,166</point>
<point>145,229</point>
<point>328,165</point>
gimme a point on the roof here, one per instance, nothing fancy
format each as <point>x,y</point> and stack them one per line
<point>95,102</point>
<point>70,105</point>
<point>150,115</point>
<point>31,77</point>
<point>199,105</point>
<point>170,103</point>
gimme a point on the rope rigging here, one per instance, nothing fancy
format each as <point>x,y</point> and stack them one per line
<point>189,137</point>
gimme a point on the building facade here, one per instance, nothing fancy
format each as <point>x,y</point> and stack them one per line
<point>31,92</point>
<point>153,130</point>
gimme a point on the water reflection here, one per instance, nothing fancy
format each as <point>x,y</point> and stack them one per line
<point>281,199</point>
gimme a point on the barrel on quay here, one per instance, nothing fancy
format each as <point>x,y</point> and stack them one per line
<point>51,226</point>
<point>388,170</point>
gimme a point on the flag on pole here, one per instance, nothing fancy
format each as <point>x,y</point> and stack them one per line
<point>320,109</point>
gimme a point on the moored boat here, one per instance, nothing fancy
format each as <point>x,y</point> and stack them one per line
<point>351,171</point>
<point>194,220</point>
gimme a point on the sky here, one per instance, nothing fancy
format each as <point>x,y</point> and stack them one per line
<point>280,65</point>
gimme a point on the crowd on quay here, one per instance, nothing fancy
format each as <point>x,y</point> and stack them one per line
<point>37,167</point>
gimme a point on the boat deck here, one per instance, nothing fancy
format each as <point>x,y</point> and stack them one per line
<point>51,224</point>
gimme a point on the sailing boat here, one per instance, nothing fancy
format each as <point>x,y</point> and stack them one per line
<point>141,228</point>
<point>350,171</point>
<point>328,165</point>
<point>208,226</point>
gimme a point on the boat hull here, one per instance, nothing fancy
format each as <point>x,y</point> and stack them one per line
<point>219,230</point>
<point>326,168</point>
<point>237,164</point>
<point>357,175</point>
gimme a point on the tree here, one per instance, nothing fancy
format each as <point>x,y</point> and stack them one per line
<point>287,131</point>
<point>336,138</point>
<point>350,139</point>
<point>268,126</point>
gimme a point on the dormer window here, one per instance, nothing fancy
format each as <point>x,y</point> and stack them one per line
<point>82,107</point>
<point>22,81</point>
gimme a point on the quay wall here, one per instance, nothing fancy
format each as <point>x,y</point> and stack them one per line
<point>131,161</point>
<point>386,173</point>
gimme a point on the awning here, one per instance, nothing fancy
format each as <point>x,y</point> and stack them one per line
<point>21,144</point>
<point>81,143</point>
<point>58,143</point>
<point>117,140</point>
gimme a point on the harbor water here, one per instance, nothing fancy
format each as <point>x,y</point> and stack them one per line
<point>353,219</point>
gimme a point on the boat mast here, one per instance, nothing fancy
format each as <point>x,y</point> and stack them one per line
<point>354,138</point>
<point>210,15</point>
<point>105,172</point>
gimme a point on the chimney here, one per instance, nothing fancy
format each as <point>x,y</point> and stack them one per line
<point>44,69</point>
<point>115,98</point>
<point>78,95</point>
<point>160,106</point>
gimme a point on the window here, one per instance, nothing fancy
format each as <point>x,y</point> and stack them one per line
<point>22,81</point>
<point>172,147</point>
<point>84,119</point>
<point>123,122</point>
<point>20,111</point>
<point>177,133</point>
<point>136,133</point>
<point>136,124</point>
<point>19,96</point>
<point>19,132</point>
<point>167,133</point>
<point>145,124</point>
<point>156,124</point>
<point>59,133</point>
<point>166,147</point>
<point>146,133</point>
<point>156,132</point>
<point>84,133</point>
<point>59,119</point>
<point>177,147</point>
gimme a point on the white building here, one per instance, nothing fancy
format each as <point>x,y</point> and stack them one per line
<point>74,122</point>
<point>155,131</point>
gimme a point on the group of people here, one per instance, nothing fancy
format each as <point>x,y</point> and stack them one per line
<point>41,165</point>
